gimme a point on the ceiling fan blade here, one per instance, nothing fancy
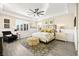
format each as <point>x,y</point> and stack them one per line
<point>37,14</point>
<point>36,10</point>
<point>31,10</point>
<point>30,14</point>
<point>40,12</point>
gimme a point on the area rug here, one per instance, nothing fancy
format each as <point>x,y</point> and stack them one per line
<point>41,49</point>
<point>54,48</point>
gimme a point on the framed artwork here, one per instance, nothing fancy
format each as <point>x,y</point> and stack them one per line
<point>6,26</point>
<point>51,21</point>
<point>74,21</point>
<point>32,26</point>
<point>6,23</point>
<point>46,22</point>
<point>18,27</point>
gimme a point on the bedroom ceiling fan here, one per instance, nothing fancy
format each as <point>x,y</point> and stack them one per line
<point>36,12</point>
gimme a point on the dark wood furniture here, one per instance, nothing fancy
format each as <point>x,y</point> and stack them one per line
<point>9,38</point>
<point>1,48</point>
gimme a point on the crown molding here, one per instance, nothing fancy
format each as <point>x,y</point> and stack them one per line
<point>16,15</point>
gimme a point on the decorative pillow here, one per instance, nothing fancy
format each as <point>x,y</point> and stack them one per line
<point>49,30</point>
<point>9,35</point>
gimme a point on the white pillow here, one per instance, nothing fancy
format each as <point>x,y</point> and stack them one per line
<point>9,35</point>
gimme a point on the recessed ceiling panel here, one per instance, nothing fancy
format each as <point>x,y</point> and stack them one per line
<point>49,8</point>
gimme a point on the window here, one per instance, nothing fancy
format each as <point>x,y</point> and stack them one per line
<point>17,27</point>
<point>6,23</point>
<point>24,27</point>
<point>27,26</point>
<point>21,27</point>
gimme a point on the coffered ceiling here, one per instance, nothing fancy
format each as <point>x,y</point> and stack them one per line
<point>51,9</point>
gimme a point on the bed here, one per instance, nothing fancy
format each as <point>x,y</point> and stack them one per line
<point>44,36</point>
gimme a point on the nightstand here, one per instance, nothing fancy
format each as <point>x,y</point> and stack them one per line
<point>61,36</point>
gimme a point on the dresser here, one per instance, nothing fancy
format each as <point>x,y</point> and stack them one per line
<point>65,35</point>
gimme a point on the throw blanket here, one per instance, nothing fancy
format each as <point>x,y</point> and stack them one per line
<point>44,36</point>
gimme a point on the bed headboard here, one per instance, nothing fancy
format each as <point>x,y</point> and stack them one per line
<point>49,26</point>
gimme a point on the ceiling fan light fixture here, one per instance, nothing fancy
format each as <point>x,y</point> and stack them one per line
<point>36,12</point>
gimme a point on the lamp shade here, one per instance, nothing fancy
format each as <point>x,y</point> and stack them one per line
<point>61,27</point>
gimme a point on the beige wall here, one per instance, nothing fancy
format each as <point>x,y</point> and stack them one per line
<point>67,20</point>
<point>12,22</point>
